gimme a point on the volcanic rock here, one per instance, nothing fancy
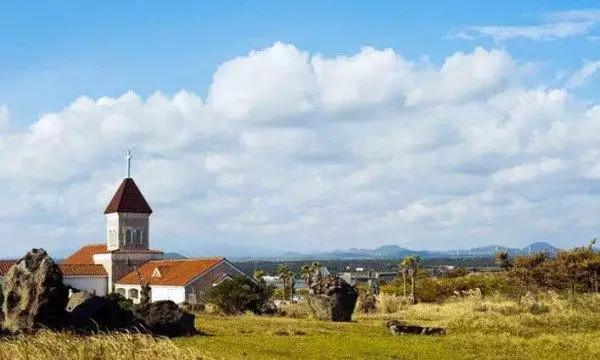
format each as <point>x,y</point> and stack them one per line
<point>333,299</point>
<point>91,313</point>
<point>166,318</point>
<point>34,294</point>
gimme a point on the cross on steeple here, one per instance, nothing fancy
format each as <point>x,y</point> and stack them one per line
<point>128,157</point>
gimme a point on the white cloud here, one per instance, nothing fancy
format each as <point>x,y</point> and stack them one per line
<point>292,150</point>
<point>4,118</point>
<point>583,74</point>
<point>550,31</point>
<point>555,25</point>
<point>528,172</point>
<point>574,15</point>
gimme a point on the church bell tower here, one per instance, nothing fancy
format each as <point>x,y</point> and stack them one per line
<point>128,217</point>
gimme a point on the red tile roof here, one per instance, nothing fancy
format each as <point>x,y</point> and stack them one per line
<point>128,198</point>
<point>5,265</point>
<point>66,269</point>
<point>172,272</point>
<point>85,255</point>
<point>82,270</point>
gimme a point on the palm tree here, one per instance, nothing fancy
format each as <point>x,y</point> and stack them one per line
<point>403,270</point>
<point>503,260</point>
<point>312,275</point>
<point>411,264</point>
<point>287,277</point>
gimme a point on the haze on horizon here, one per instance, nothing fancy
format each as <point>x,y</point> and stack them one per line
<point>302,127</point>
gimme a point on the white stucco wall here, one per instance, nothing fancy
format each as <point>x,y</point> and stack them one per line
<point>94,285</point>
<point>173,293</point>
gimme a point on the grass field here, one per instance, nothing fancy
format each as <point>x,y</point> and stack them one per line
<point>551,328</point>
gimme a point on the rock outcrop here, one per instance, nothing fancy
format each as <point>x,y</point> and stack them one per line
<point>91,313</point>
<point>166,318</point>
<point>333,299</point>
<point>34,294</point>
<point>397,327</point>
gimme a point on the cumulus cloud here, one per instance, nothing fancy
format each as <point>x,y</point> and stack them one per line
<point>291,150</point>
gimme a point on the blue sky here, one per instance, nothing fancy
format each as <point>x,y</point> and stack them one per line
<point>271,126</point>
<point>52,52</point>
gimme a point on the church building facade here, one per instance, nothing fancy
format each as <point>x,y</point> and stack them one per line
<point>125,261</point>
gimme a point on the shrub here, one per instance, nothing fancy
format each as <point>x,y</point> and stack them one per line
<point>429,289</point>
<point>126,304</point>
<point>193,308</point>
<point>299,310</point>
<point>367,303</point>
<point>241,294</point>
<point>391,303</point>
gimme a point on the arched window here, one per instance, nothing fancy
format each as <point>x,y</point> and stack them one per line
<point>137,237</point>
<point>133,293</point>
<point>128,236</point>
<point>121,292</point>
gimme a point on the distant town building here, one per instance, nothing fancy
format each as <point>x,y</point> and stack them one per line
<point>368,277</point>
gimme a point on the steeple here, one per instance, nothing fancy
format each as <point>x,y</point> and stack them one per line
<point>128,216</point>
<point>128,198</point>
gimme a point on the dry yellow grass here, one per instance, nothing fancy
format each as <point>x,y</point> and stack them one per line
<point>48,345</point>
<point>546,327</point>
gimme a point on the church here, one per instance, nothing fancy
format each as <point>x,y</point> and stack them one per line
<point>125,261</point>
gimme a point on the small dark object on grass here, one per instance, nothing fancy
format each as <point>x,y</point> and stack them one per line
<point>398,327</point>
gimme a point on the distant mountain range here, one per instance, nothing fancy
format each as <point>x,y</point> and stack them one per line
<point>397,252</point>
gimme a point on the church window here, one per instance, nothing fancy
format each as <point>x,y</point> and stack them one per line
<point>137,238</point>
<point>128,236</point>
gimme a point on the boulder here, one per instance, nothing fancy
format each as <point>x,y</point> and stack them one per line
<point>34,294</point>
<point>397,327</point>
<point>91,313</point>
<point>333,299</point>
<point>166,318</point>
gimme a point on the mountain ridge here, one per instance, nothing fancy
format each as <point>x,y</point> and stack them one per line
<point>392,251</point>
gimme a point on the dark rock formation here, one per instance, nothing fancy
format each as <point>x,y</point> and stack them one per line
<point>166,318</point>
<point>90,313</point>
<point>397,327</point>
<point>34,294</point>
<point>333,299</point>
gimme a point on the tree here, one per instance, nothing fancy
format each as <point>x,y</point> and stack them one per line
<point>311,274</point>
<point>145,290</point>
<point>403,271</point>
<point>531,270</point>
<point>411,263</point>
<point>503,260</point>
<point>577,266</point>
<point>287,277</point>
<point>259,275</point>
<point>241,294</point>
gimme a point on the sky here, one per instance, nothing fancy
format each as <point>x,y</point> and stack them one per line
<point>265,127</point>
